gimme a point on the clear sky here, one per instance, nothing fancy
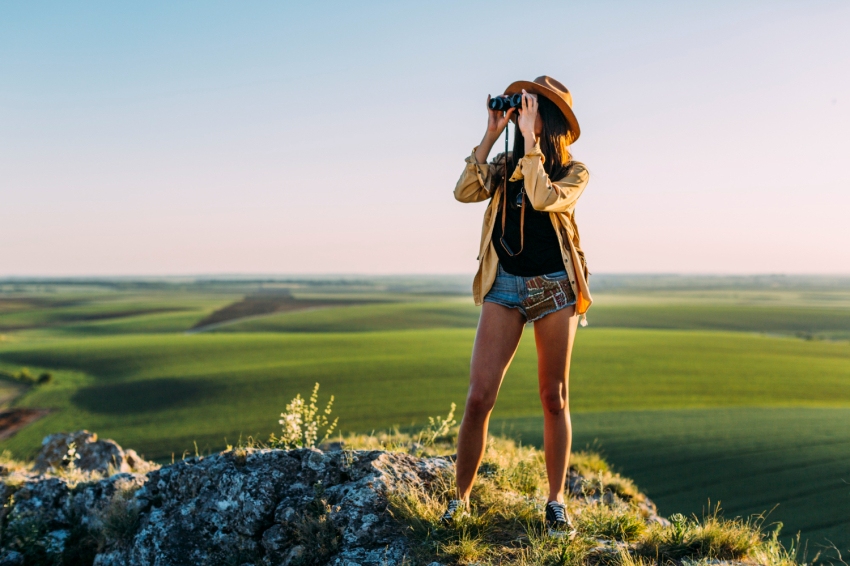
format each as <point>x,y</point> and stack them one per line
<point>279,137</point>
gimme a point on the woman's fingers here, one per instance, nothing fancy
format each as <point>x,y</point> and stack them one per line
<point>529,101</point>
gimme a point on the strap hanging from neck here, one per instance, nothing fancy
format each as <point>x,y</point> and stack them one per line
<point>504,208</point>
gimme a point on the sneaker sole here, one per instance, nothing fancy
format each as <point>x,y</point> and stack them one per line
<point>555,533</point>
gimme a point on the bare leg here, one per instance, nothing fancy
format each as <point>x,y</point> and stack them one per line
<point>499,331</point>
<point>554,335</point>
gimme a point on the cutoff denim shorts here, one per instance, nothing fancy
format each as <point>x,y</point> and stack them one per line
<point>534,297</point>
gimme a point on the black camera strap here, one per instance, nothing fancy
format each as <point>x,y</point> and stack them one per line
<point>505,208</point>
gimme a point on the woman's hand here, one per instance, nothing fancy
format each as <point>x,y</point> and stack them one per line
<point>528,116</point>
<point>496,121</point>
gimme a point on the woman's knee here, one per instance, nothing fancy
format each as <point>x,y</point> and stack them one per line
<point>554,400</point>
<point>479,404</point>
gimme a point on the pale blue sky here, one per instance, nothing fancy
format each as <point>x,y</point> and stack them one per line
<point>199,137</point>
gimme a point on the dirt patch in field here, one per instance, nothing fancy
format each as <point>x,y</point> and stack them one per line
<point>260,304</point>
<point>13,420</point>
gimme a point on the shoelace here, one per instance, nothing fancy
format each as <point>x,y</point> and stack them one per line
<point>558,511</point>
<point>454,505</point>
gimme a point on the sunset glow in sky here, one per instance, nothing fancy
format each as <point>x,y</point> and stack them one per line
<point>280,138</point>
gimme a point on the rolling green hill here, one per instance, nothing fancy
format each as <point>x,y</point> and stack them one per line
<point>157,392</point>
<point>697,393</point>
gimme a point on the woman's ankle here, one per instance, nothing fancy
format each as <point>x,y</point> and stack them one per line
<point>461,497</point>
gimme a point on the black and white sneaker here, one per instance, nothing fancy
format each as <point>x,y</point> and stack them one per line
<point>557,521</point>
<point>455,509</point>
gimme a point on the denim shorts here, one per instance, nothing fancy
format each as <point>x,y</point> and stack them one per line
<point>535,297</point>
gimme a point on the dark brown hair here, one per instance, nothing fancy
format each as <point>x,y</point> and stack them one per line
<point>554,141</point>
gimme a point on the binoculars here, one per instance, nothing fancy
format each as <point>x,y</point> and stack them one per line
<point>504,103</point>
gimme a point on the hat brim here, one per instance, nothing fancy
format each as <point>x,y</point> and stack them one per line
<point>553,96</point>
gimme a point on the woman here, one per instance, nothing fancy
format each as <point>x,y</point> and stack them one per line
<point>531,269</point>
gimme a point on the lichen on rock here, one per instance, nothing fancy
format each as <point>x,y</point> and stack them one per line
<point>255,506</point>
<point>91,454</point>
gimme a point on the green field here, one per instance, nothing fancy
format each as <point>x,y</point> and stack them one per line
<point>732,392</point>
<point>747,459</point>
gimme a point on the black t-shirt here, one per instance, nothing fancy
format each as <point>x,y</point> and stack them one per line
<point>542,251</point>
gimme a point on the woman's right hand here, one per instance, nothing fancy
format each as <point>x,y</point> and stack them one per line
<point>496,121</point>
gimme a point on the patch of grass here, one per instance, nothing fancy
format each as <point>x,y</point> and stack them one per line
<point>9,465</point>
<point>616,522</point>
<point>316,533</point>
<point>711,537</point>
<point>505,525</point>
<point>589,463</point>
<point>494,523</point>
<point>28,536</point>
<point>792,461</point>
<point>120,518</point>
<point>542,550</point>
<point>81,546</point>
<point>607,483</point>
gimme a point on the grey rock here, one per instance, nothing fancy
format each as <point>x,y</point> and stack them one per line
<point>262,507</point>
<point>93,455</point>
<point>294,555</point>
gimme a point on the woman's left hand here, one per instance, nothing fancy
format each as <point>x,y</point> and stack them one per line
<point>527,115</point>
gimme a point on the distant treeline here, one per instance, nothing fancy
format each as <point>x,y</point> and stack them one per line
<point>433,284</point>
<point>635,282</point>
<point>24,376</point>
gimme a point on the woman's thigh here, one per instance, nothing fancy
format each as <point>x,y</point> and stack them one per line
<point>496,341</point>
<point>554,335</point>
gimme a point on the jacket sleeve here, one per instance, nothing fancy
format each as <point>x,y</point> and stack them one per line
<point>474,182</point>
<point>545,195</point>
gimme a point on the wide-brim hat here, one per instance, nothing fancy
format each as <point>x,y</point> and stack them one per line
<point>554,91</point>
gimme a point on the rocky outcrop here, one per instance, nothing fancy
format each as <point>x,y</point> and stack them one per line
<point>240,507</point>
<point>84,451</point>
<point>250,506</point>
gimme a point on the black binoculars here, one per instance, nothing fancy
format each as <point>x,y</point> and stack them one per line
<point>504,103</point>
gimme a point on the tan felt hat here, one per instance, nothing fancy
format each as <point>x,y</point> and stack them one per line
<point>554,91</point>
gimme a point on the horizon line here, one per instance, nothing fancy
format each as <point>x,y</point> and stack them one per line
<point>348,275</point>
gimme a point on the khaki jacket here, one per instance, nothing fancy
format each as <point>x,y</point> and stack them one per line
<point>558,199</point>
